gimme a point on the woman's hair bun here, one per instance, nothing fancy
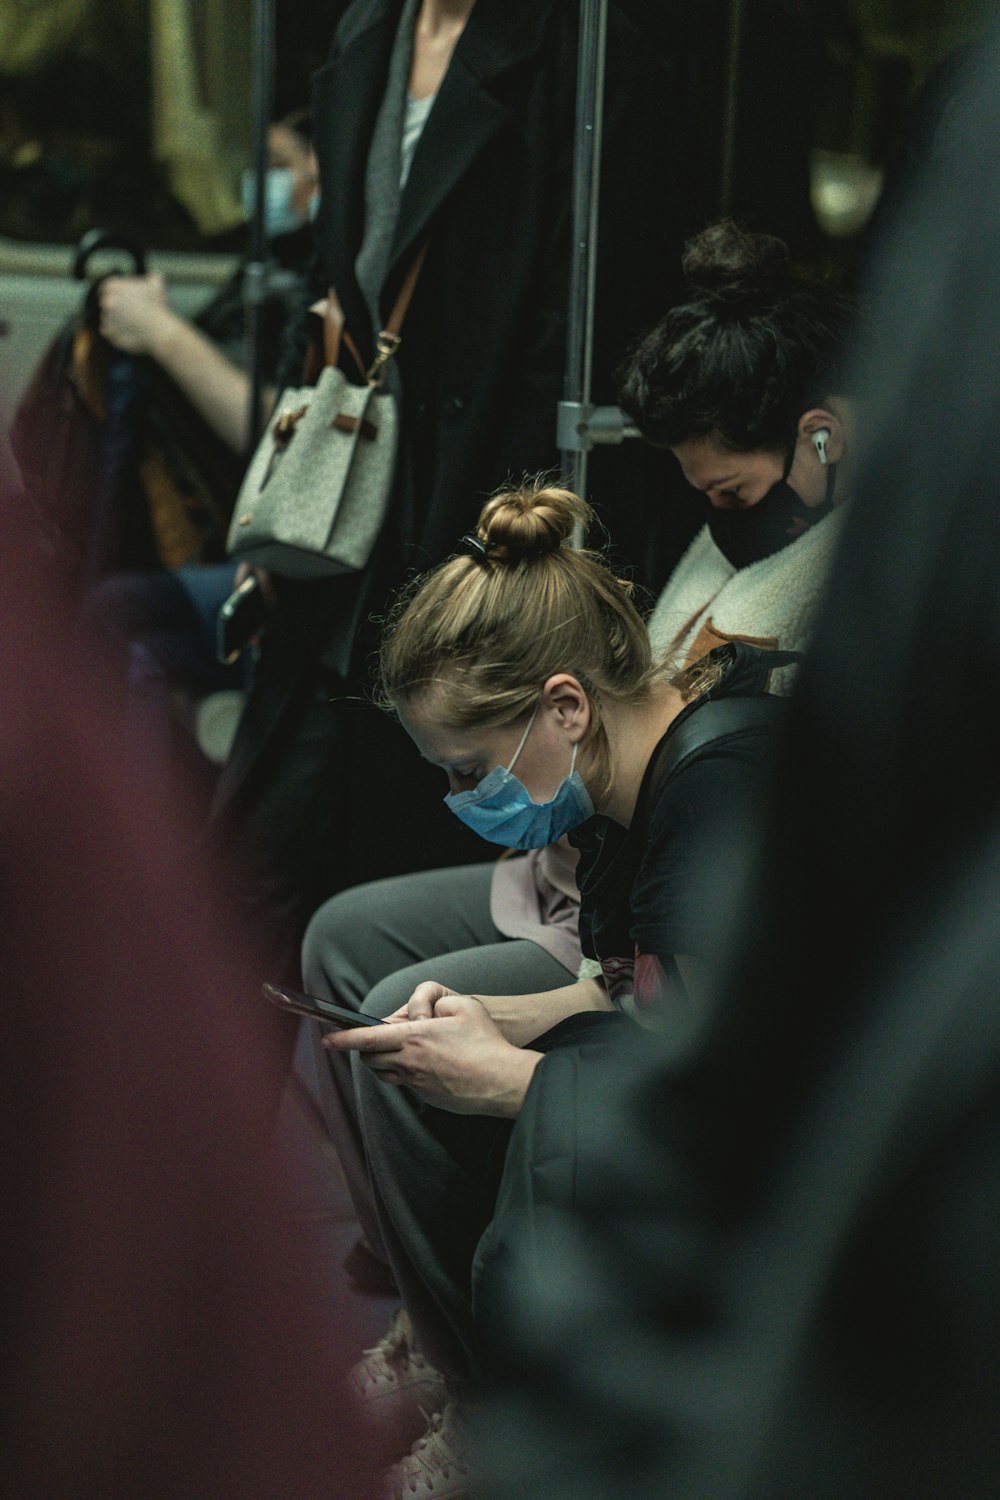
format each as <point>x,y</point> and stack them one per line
<point>531,521</point>
<point>734,264</point>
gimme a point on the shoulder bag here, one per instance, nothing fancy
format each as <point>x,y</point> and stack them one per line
<point>317,489</point>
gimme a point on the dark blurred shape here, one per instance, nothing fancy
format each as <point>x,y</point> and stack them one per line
<point>924,129</point>
<point>165,1332</point>
<point>75,136</point>
<point>120,468</point>
<point>124,468</point>
<point>782,1276</point>
<point>303,29</point>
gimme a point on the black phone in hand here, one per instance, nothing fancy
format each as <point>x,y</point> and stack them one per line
<point>320,1010</point>
<point>241,617</point>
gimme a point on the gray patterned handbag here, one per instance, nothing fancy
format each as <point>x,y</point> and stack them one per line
<point>317,489</point>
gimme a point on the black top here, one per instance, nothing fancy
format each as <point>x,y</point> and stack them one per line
<point>655,890</point>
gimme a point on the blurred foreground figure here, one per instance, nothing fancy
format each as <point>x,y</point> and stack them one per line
<point>164,1333</point>
<point>782,1278</point>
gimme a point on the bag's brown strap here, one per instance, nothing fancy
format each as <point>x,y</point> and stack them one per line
<point>335,332</point>
<point>390,337</point>
<point>406,291</point>
<point>327,352</point>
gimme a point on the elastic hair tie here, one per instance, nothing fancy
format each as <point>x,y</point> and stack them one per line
<point>475,546</point>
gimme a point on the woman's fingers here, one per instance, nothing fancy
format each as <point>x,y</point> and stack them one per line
<point>469,1007</point>
<point>422,1002</point>
<point>366,1039</point>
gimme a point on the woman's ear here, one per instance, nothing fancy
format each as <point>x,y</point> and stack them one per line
<point>565,697</point>
<point>816,422</point>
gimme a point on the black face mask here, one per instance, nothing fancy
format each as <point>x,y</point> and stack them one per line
<point>747,536</point>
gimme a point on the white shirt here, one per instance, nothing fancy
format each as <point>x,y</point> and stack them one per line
<point>414,121</point>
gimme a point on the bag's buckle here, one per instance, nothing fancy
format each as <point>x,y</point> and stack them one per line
<point>284,428</point>
<point>282,432</point>
<point>387,343</point>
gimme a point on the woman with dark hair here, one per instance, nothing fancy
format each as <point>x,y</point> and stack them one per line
<point>808,1196</point>
<point>744,381</point>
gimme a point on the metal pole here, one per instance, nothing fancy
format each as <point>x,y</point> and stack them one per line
<point>727,165</point>
<point>583,265</point>
<point>256,273</point>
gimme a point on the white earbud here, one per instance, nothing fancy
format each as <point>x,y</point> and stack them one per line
<point>820,440</point>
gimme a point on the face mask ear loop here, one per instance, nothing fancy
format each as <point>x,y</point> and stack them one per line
<point>523,738</point>
<point>789,459</point>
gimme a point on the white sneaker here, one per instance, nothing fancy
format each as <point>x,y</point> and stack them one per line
<point>437,1466</point>
<point>397,1386</point>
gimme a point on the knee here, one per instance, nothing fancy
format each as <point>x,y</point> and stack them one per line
<point>389,995</point>
<point>339,950</point>
<point>328,931</point>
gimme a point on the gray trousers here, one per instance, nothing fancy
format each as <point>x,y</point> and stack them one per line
<point>423,1181</point>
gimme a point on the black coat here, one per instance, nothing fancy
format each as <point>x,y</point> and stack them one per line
<point>484,344</point>
<point>481,362</point>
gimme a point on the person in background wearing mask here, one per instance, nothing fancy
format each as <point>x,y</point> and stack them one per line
<point>528,653</point>
<point>166,620</point>
<point>204,357</point>
<point>743,380</point>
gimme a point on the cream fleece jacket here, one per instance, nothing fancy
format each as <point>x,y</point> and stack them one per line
<point>707,601</point>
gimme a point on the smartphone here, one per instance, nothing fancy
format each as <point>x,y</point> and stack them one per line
<point>320,1010</point>
<point>239,619</point>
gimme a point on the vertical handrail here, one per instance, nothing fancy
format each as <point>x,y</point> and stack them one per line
<point>730,116</point>
<point>586,193</point>
<point>255,276</point>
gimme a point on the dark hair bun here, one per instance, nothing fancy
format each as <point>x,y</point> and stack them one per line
<point>531,521</point>
<point>736,266</point>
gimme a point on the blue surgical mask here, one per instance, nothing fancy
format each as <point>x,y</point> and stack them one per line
<point>279,186</point>
<point>500,809</point>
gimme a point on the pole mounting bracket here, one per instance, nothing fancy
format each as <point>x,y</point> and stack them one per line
<point>581,426</point>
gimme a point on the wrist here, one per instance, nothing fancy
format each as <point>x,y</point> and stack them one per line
<point>163,332</point>
<point>511,1091</point>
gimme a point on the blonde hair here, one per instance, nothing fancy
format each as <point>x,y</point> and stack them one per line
<point>484,632</point>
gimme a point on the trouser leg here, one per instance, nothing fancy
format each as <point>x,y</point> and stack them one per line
<point>422,1179</point>
<point>360,937</point>
<point>434,1175</point>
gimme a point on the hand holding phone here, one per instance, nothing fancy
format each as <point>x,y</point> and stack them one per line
<point>320,1010</point>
